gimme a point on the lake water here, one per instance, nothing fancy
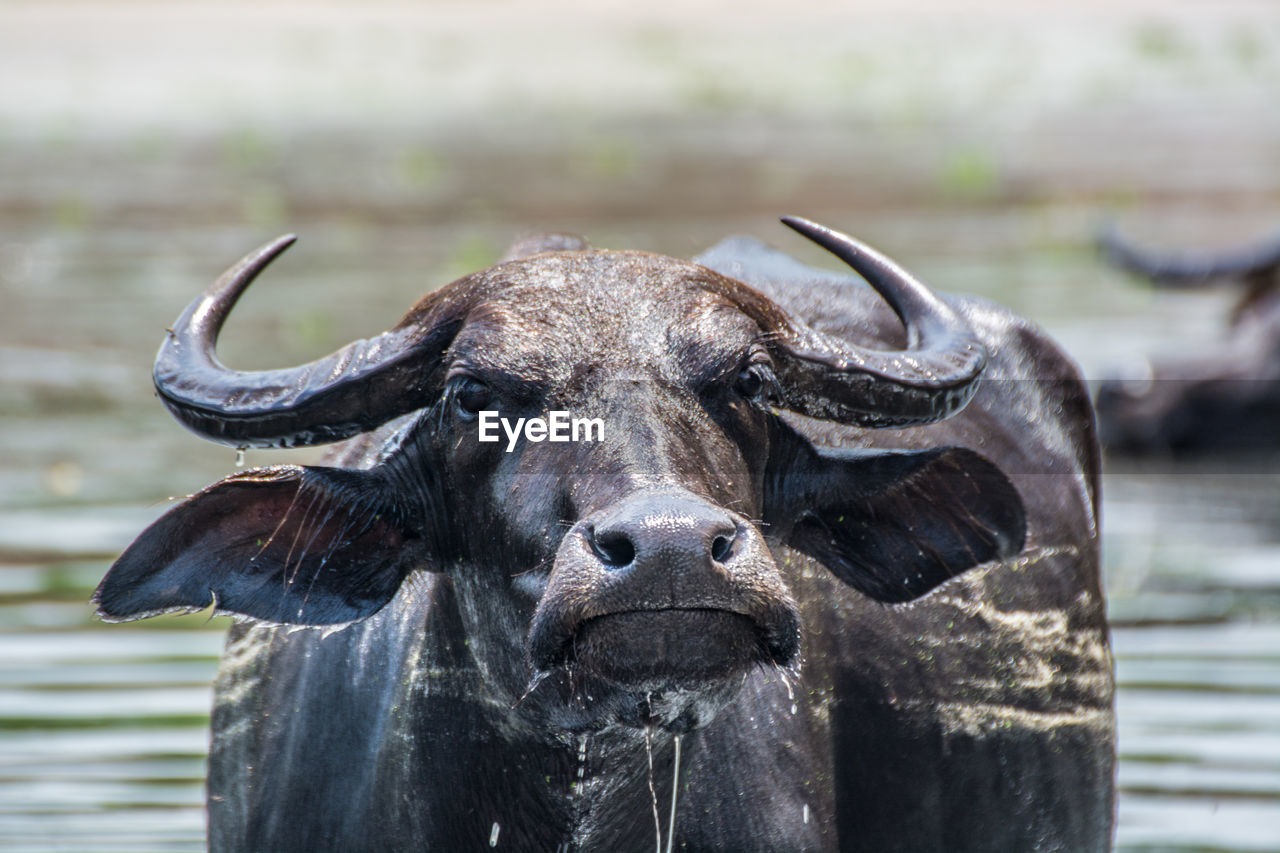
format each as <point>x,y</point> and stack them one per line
<point>109,226</point>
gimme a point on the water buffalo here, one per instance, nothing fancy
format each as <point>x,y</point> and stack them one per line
<point>815,587</point>
<point>1225,397</point>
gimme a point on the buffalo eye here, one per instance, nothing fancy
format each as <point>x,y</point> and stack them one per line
<point>471,396</point>
<point>753,380</point>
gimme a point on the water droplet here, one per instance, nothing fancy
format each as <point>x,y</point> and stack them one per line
<point>791,693</point>
<point>239,457</point>
<point>493,834</point>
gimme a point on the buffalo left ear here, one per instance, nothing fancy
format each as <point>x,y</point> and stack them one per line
<point>288,545</point>
<point>893,524</point>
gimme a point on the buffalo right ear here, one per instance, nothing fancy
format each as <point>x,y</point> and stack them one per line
<point>287,545</point>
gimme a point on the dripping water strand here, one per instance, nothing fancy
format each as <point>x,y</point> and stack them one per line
<point>675,788</point>
<point>582,760</point>
<point>653,792</point>
<point>578,799</point>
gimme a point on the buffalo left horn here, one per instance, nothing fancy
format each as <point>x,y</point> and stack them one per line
<point>831,379</point>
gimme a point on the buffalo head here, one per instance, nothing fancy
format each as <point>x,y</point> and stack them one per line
<point>1225,396</point>
<point>632,579</point>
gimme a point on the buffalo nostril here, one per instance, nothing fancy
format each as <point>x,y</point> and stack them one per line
<point>721,548</point>
<point>613,548</point>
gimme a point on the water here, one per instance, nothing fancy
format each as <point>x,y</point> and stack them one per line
<point>1194,574</point>
<point>113,218</point>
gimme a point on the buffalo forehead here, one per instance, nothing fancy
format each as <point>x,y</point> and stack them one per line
<point>639,316</point>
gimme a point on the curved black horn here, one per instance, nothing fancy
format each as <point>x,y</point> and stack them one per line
<point>932,379</point>
<point>327,400</point>
<point>1190,269</point>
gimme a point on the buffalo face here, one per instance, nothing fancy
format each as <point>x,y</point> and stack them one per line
<point>628,579</point>
<point>635,562</point>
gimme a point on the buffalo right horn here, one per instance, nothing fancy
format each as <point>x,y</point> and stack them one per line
<point>356,389</point>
